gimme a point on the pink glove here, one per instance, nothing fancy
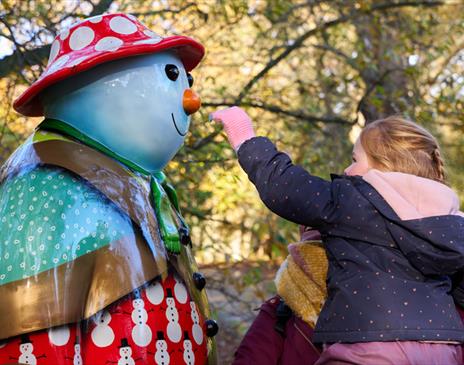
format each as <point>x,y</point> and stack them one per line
<point>237,125</point>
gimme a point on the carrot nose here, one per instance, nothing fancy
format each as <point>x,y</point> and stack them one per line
<point>191,101</point>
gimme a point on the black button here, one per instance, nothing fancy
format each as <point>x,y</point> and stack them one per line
<point>211,328</point>
<point>184,236</point>
<point>199,280</point>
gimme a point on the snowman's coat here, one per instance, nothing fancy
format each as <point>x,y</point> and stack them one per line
<point>53,217</point>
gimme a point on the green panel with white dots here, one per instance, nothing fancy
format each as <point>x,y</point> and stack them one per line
<point>50,217</point>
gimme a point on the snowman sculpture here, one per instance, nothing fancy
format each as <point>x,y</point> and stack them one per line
<point>87,215</point>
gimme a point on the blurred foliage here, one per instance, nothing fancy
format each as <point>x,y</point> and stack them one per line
<point>309,72</point>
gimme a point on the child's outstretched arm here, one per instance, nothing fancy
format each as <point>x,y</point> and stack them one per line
<point>286,189</point>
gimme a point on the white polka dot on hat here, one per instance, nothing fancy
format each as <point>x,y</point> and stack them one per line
<point>103,33</point>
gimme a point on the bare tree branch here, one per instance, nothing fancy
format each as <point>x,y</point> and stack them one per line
<point>291,113</point>
<point>206,140</point>
<point>37,56</point>
<point>375,82</point>
<point>298,114</point>
<point>459,47</point>
<point>205,217</point>
<point>326,47</point>
<point>300,40</point>
<point>164,11</point>
<point>101,7</point>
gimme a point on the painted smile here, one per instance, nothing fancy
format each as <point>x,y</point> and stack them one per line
<point>177,129</point>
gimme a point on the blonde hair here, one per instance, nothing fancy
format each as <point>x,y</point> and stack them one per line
<point>397,144</point>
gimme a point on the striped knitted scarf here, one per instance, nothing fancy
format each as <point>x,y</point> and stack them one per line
<point>300,280</point>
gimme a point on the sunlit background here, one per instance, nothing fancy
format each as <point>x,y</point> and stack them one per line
<point>310,73</point>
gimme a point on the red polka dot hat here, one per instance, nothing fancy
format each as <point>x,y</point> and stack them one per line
<point>100,39</point>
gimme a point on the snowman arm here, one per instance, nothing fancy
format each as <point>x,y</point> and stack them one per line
<point>43,355</point>
<point>14,358</point>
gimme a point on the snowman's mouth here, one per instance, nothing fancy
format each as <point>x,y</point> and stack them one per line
<point>177,129</point>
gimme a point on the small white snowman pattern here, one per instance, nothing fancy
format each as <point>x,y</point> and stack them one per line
<point>180,291</point>
<point>77,360</point>
<point>59,336</point>
<point>27,352</point>
<point>161,355</point>
<point>189,355</point>
<point>141,333</point>
<point>155,293</point>
<point>102,334</point>
<point>125,353</point>
<point>197,331</point>
<point>174,331</point>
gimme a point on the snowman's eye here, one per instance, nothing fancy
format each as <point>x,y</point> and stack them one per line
<point>190,79</point>
<point>172,72</point>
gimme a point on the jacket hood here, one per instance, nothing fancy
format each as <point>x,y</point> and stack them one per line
<point>424,219</point>
<point>413,197</point>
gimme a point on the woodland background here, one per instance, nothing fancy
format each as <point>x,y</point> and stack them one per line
<point>310,73</point>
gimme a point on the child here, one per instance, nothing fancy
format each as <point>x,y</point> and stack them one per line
<point>393,234</point>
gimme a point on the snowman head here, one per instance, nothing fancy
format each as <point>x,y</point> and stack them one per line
<point>169,298</point>
<point>187,343</point>
<point>161,343</point>
<point>77,346</point>
<point>102,318</point>
<point>125,349</point>
<point>138,303</point>
<point>25,346</point>
<point>120,84</point>
<point>137,107</point>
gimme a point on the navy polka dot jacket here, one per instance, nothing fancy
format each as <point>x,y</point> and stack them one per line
<point>389,279</point>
